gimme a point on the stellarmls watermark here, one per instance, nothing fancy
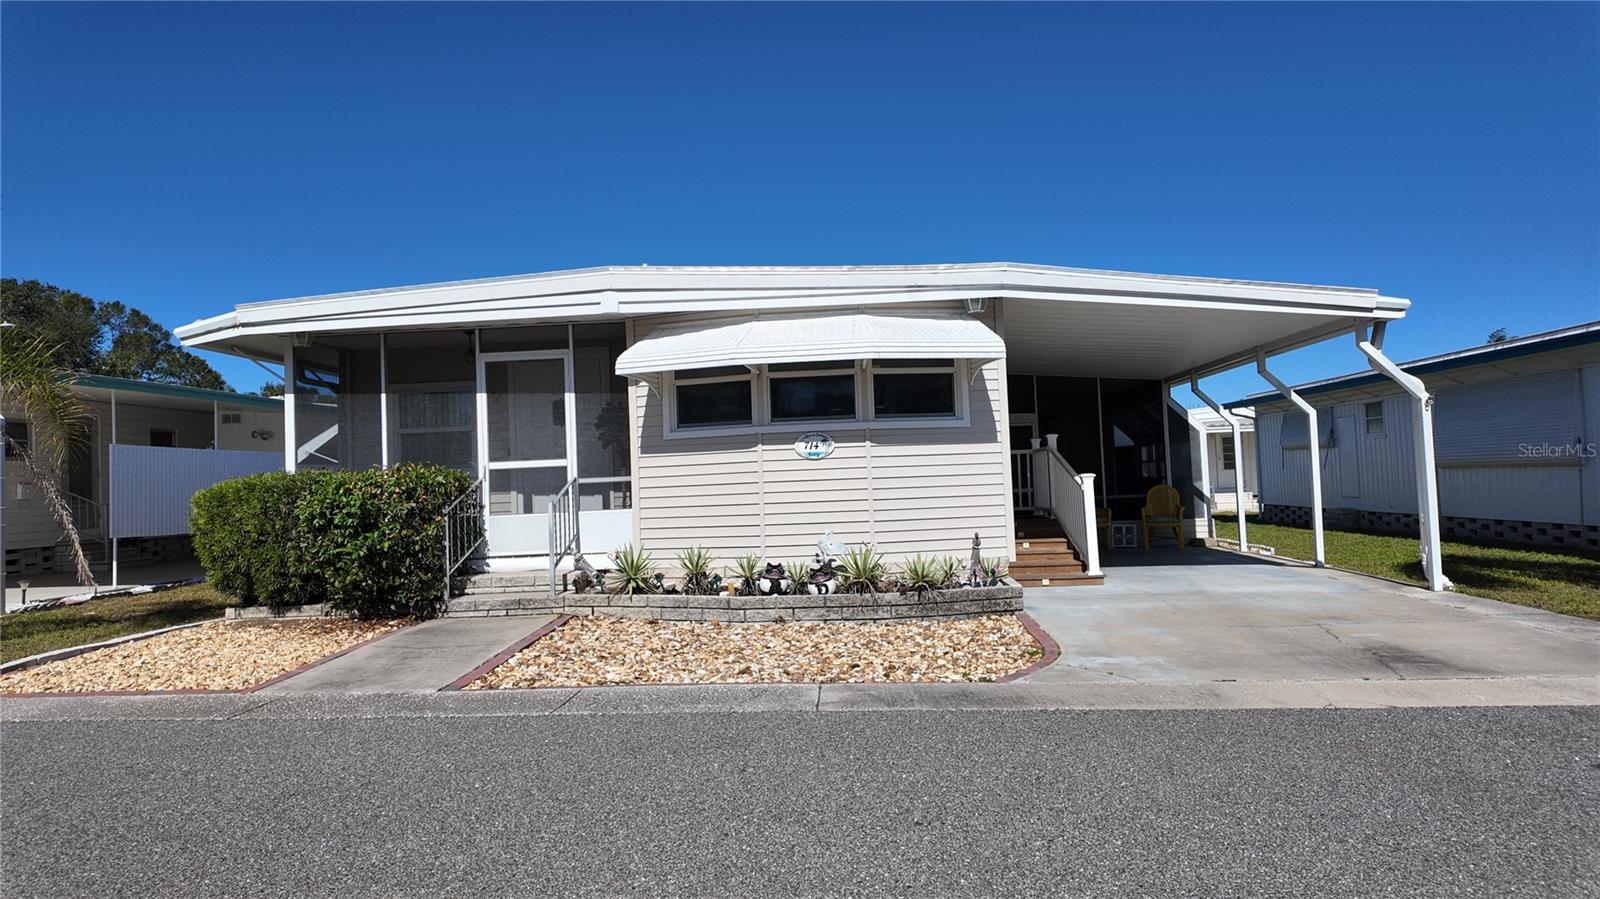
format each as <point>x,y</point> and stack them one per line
<point>1576,450</point>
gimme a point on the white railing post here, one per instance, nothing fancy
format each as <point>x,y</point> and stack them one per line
<point>1091,526</point>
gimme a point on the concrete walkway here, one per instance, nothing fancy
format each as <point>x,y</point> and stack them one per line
<point>422,658</point>
<point>1200,616</point>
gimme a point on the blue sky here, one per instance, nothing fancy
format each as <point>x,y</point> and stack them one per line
<point>184,158</point>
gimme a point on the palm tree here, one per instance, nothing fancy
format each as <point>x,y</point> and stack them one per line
<point>32,387</point>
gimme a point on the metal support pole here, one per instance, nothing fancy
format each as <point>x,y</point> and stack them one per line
<point>1423,452</point>
<point>111,489</point>
<point>1166,434</point>
<point>1238,453</point>
<point>291,438</point>
<point>383,396</point>
<point>1321,557</point>
<point>216,426</point>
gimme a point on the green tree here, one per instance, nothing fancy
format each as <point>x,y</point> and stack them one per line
<point>271,388</point>
<point>34,388</point>
<point>106,338</point>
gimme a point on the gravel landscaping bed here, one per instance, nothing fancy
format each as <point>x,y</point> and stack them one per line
<point>215,656</point>
<point>601,651</point>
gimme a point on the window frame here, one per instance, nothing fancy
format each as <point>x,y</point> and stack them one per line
<point>170,434</point>
<point>1367,418</point>
<point>760,402</point>
<point>955,369</point>
<point>24,442</point>
<point>1226,459</point>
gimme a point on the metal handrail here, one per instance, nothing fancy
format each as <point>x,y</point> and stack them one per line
<point>564,536</point>
<point>87,515</point>
<point>463,530</point>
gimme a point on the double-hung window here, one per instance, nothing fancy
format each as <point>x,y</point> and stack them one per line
<point>812,391</point>
<point>913,388</point>
<point>714,397</point>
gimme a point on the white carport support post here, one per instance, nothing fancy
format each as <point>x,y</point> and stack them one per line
<point>1427,471</point>
<point>1238,455</point>
<point>291,439</point>
<point>111,464</point>
<point>1166,433</point>
<point>1319,554</point>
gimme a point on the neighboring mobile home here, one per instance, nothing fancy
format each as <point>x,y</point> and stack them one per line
<point>1214,434</point>
<point>1515,426</point>
<point>751,409</point>
<point>149,448</point>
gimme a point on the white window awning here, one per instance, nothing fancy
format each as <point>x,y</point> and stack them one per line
<point>810,338</point>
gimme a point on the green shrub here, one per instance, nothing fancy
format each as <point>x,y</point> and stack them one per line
<point>245,536</point>
<point>369,542</point>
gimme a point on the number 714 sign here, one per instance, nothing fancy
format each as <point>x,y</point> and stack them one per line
<point>813,446</point>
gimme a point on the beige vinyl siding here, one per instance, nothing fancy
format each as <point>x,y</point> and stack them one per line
<point>908,490</point>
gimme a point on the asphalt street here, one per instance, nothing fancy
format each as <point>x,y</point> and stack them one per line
<point>1412,802</point>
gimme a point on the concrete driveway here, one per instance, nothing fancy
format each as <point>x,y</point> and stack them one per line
<point>1203,616</point>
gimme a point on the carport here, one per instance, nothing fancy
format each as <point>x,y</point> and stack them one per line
<point>1215,616</point>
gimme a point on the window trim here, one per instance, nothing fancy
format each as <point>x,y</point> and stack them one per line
<point>760,412</point>
<point>955,369</point>
<point>767,376</point>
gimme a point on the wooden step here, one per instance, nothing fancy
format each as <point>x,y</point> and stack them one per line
<point>1068,580</point>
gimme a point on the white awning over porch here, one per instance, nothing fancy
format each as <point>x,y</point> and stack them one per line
<point>811,338</point>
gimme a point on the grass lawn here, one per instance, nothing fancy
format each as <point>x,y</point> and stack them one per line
<point>1561,580</point>
<point>26,633</point>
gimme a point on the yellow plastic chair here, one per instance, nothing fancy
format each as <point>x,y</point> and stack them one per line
<point>1163,510</point>
<point>1102,518</point>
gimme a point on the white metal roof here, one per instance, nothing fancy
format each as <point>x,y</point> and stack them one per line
<point>806,338</point>
<point>1154,325</point>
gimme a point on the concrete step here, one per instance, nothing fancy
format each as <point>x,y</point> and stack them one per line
<point>506,582</point>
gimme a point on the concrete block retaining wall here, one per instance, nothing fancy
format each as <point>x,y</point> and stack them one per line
<point>960,603</point>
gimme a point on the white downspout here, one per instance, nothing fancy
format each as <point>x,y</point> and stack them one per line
<point>1166,435</point>
<point>1422,444</point>
<point>1319,553</point>
<point>1238,453</point>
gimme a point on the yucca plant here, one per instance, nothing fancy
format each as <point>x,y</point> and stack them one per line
<point>994,571</point>
<point>919,574</point>
<point>747,569</point>
<point>799,576</point>
<point>862,570</point>
<point>698,580</point>
<point>633,572</point>
<point>949,571</point>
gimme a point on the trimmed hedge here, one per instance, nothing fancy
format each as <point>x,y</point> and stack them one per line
<point>369,543</point>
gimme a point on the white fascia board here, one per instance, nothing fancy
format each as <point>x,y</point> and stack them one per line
<point>649,291</point>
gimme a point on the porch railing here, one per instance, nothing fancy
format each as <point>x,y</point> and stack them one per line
<point>1022,493</point>
<point>564,536</point>
<point>1071,498</point>
<point>463,531</point>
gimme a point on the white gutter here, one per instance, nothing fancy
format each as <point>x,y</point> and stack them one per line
<point>1238,456</point>
<point>1427,470</point>
<point>1319,554</point>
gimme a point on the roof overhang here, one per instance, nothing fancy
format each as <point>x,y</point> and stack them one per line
<point>779,339</point>
<point>1278,315</point>
<point>168,396</point>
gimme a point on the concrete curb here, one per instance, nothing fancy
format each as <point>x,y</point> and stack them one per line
<point>56,655</point>
<point>505,655</point>
<point>1335,697</point>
